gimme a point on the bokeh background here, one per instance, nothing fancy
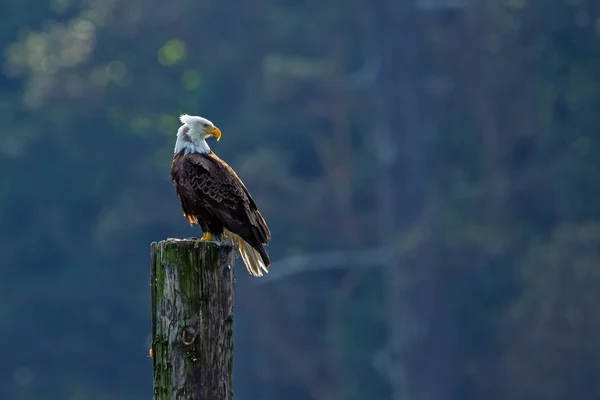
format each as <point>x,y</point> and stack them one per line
<point>429,169</point>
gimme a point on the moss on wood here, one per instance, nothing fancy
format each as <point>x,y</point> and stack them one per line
<point>192,292</point>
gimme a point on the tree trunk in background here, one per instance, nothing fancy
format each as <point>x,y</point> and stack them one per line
<point>416,359</point>
<point>192,320</point>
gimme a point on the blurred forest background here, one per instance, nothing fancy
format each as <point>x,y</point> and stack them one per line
<point>429,170</point>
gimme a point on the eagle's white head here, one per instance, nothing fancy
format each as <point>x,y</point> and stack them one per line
<point>192,135</point>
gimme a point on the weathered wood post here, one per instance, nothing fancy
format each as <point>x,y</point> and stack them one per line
<point>192,320</point>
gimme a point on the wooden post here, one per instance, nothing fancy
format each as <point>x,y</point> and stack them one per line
<point>192,320</point>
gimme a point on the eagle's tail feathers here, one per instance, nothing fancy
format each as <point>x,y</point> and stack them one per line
<point>253,259</point>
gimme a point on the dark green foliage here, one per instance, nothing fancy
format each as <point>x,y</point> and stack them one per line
<point>90,92</point>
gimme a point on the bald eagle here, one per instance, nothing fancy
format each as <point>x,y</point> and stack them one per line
<point>214,197</point>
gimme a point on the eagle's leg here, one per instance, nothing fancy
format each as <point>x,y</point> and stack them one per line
<point>206,237</point>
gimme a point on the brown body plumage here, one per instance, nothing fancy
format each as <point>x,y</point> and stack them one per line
<point>214,197</point>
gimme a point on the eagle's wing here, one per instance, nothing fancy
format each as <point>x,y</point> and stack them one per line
<point>216,187</point>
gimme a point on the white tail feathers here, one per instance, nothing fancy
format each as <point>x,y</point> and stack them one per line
<point>252,259</point>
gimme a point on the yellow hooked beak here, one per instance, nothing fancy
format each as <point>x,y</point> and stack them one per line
<point>216,132</point>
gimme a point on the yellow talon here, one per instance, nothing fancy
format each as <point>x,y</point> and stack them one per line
<point>206,237</point>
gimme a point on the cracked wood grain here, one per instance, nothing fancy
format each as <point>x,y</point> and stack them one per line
<point>192,320</point>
